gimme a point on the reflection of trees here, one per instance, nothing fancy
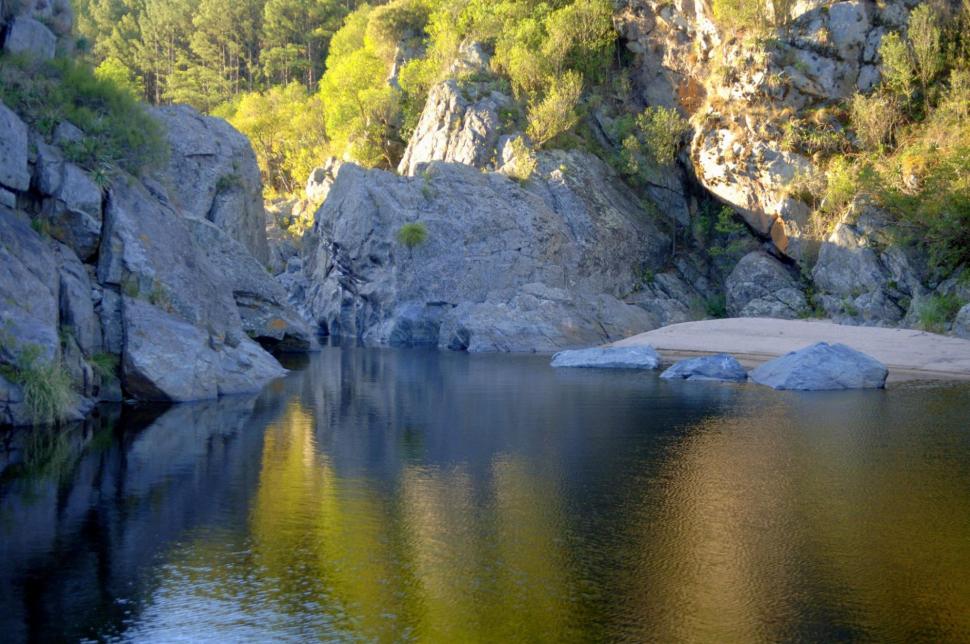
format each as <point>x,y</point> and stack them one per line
<point>807,520</point>
<point>423,558</point>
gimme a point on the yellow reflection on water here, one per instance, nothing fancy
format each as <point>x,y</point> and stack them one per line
<point>761,521</point>
<point>431,558</point>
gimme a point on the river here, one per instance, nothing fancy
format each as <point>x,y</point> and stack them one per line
<point>386,495</point>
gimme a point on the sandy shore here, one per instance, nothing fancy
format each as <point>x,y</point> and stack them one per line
<point>909,354</point>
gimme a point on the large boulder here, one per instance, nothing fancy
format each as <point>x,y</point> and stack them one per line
<point>168,359</point>
<point>761,286</point>
<point>14,173</point>
<point>822,367</point>
<point>31,37</point>
<point>458,124</point>
<point>575,233</point>
<point>261,300</point>
<point>212,174</point>
<point>721,367</point>
<point>169,303</point>
<point>642,357</point>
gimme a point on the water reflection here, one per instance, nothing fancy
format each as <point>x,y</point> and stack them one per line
<point>379,496</point>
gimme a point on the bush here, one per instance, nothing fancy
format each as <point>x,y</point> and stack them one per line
<point>875,118</point>
<point>46,385</point>
<point>926,40</point>
<point>938,312</point>
<point>841,185</point>
<point>662,131</point>
<point>119,131</point>
<point>412,235</point>
<point>556,112</point>
<point>523,162</point>
<point>898,73</point>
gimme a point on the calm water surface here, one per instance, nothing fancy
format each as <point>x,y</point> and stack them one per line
<point>409,495</point>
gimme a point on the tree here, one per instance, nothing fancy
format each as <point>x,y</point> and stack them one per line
<point>926,41</point>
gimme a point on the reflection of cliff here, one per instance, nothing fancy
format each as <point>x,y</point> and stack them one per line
<point>74,541</point>
<point>817,520</point>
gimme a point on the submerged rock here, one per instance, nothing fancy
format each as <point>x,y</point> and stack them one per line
<point>822,367</point>
<point>718,367</point>
<point>642,357</point>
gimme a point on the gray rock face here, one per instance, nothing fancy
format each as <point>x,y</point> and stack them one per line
<point>28,36</point>
<point>214,175</point>
<point>321,180</point>
<point>76,306</point>
<point>29,289</point>
<point>961,325</point>
<point>822,367</point>
<point>864,276</point>
<point>718,367</point>
<point>644,357</point>
<point>166,358</point>
<point>148,252</point>
<point>262,302</point>
<point>74,209</point>
<point>181,333</point>
<point>13,151</point>
<point>761,286</point>
<point>575,233</point>
<point>538,318</point>
<point>456,128</point>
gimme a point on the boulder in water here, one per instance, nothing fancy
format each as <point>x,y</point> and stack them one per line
<point>822,367</point>
<point>717,367</point>
<point>642,357</point>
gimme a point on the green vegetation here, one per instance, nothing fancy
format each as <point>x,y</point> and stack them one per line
<point>412,235</point>
<point>523,162</point>
<point>938,312</point>
<point>752,14</point>
<point>46,385</point>
<point>105,365</point>
<point>119,133</point>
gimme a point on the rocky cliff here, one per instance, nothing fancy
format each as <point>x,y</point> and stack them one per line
<point>573,254</point>
<point>147,288</point>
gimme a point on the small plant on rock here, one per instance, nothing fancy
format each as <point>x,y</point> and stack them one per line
<point>46,385</point>
<point>412,235</point>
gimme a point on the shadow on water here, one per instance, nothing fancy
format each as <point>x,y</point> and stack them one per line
<point>397,495</point>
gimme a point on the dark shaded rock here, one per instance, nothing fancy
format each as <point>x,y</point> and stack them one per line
<point>13,151</point>
<point>717,367</point>
<point>822,367</point>
<point>76,306</point>
<point>261,300</point>
<point>28,289</point>
<point>74,210</point>
<point>761,286</point>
